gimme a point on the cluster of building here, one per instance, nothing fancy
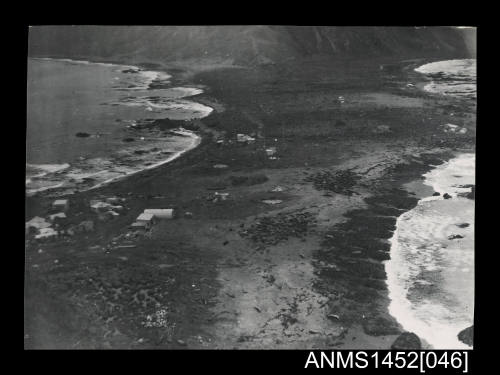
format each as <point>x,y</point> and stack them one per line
<point>42,228</point>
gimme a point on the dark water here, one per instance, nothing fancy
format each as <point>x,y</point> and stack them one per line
<point>103,102</point>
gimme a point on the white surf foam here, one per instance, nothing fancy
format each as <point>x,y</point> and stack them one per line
<point>452,67</point>
<point>34,171</point>
<point>430,276</point>
<point>194,141</point>
<point>93,173</point>
<point>158,149</point>
<point>452,77</point>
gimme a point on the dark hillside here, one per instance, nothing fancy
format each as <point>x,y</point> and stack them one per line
<point>248,45</point>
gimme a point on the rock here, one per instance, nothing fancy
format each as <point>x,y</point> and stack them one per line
<point>455,236</point>
<point>463,225</point>
<point>82,135</point>
<point>446,196</point>
<point>472,193</point>
<point>128,139</point>
<point>130,71</point>
<point>436,194</point>
<point>407,341</point>
<point>379,327</point>
<point>467,335</point>
<point>181,342</point>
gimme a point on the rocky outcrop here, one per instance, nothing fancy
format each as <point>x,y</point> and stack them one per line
<point>467,336</point>
<point>407,341</point>
<point>380,326</point>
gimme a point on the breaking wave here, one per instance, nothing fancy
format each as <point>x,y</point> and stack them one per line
<point>451,77</point>
<point>430,275</point>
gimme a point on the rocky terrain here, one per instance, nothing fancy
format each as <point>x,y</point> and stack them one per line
<point>267,251</point>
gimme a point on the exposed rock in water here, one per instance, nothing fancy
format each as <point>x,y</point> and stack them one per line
<point>469,195</point>
<point>472,193</point>
<point>82,135</point>
<point>455,236</point>
<point>467,336</point>
<point>446,196</point>
<point>436,194</point>
<point>128,139</point>
<point>407,341</point>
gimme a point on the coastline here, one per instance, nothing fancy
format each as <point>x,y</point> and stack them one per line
<point>363,270</point>
<point>400,306</point>
<point>196,138</point>
<point>336,271</point>
<point>196,141</point>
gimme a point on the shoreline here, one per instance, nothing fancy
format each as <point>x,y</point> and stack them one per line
<point>365,272</point>
<point>396,294</point>
<point>235,294</point>
<point>196,138</point>
<point>196,141</point>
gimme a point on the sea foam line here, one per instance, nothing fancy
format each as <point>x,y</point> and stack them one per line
<point>436,330</point>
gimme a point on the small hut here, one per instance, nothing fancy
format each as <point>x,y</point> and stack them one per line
<point>144,221</point>
<point>161,213</point>
<point>61,205</point>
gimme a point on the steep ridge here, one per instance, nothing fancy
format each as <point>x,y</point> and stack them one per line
<point>248,45</point>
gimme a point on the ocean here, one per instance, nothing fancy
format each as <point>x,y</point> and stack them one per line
<point>430,275</point>
<point>83,122</point>
<point>451,77</point>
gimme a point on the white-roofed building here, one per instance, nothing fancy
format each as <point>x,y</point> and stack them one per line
<point>60,205</point>
<point>144,221</point>
<point>161,213</point>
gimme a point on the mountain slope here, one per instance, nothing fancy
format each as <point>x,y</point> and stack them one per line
<point>247,44</point>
